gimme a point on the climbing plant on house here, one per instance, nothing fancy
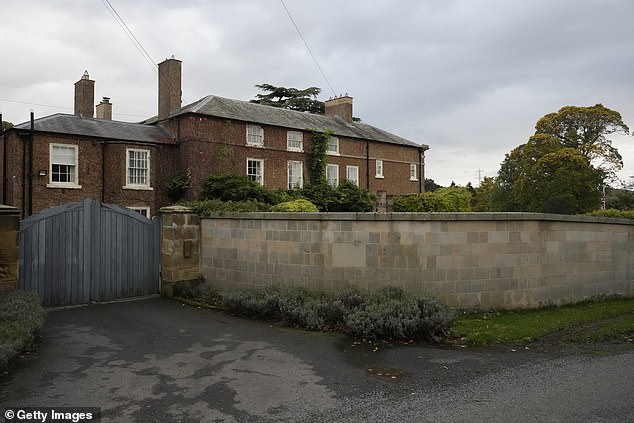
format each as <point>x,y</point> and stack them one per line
<point>317,157</point>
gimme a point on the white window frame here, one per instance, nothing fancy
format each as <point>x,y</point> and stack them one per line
<point>352,174</point>
<point>259,178</point>
<point>74,171</point>
<point>255,136</point>
<point>413,172</point>
<point>334,143</point>
<point>136,185</point>
<point>379,169</point>
<point>295,181</point>
<point>333,180</point>
<point>143,211</point>
<point>295,141</point>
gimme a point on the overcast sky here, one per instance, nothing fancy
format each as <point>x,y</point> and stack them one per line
<point>469,78</point>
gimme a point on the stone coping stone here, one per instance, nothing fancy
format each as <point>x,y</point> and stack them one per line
<point>422,217</point>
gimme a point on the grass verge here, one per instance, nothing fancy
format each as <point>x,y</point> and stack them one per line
<point>590,321</point>
<point>21,317</point>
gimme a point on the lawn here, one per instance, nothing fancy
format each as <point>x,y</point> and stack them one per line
<point>590,321</point>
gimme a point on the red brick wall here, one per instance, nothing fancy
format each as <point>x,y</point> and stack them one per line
<point>101,174</point>
<point>213,145</point>
<point>206,146</point>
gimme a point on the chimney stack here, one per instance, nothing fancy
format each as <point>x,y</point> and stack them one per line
<point>169,87</point>
<point>104,109</point>
<point>339,106</point>
<point>85,96</point>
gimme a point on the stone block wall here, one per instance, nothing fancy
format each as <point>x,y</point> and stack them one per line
<point>470,260</point>
<point>9,253</point>
<point>180,249</point>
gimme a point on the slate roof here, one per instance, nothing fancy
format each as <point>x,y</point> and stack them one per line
<point>98,128</point>
<point>268,115</point>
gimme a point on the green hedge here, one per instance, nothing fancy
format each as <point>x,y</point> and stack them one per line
<point>619,214</point>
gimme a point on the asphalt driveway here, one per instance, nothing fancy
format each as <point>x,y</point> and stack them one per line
<point>155,360</point>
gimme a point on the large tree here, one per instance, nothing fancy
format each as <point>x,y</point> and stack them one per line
<point>562,167</point>
<point>290,98</point>
<point>586,129</point>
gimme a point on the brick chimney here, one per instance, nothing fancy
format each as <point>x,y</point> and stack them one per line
<point>85,96</point>
<point>339,106</point>
<point>169,87</point>
<point>104,109</point>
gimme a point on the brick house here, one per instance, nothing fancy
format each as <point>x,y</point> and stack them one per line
<point>65,158</point>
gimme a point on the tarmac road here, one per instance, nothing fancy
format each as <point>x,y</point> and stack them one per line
<point>155,360</point>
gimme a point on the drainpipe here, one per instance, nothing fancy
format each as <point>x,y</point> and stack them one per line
<point>31,137</point>
<point>367,164</point>
<point>421,177</point>
<point>103,171</point>
<point>23,198</point>
<point>4,163</point>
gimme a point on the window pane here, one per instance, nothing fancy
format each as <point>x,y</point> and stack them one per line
<point>352,174</point>
<point>63,155</point>
<point>333,145</point>
<point>255,135</point>
<point>63,163</point>
<point>255,170</point>
<point>294,141</point>
<point>63,173</point>
<point>294,174</point>
<point>332,175</point>
<point>379,168</point>
<point>138,162</point>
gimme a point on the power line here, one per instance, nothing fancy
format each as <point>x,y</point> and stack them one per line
<point>308,48</point>
<point>130,34</point>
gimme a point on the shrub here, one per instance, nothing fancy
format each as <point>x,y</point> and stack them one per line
<point>208,207</point>
<point>618,214</point>
<point>300,205</point>
<point>321,195</point>
<point>386,314</point>
<point>458,199</point>
<point>230,187</point>
<point>425,202</point>
<point>261,304</point>
<point>207,292</point>
<point>351,198</point>
<point>392,292</point>
<point>177,187</point>
<point>389,319</point>
<point>350,297</point>
<point>21,317</point>
<point>436,317</point>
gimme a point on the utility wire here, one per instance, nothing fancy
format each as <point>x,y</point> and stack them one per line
<point>63,107</point>
<point>130,34</point>
<point>308,48</point>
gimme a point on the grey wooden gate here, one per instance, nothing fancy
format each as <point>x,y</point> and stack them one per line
<point>88,251</point>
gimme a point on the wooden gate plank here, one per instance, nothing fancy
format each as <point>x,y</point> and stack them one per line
<point>88,251</point>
